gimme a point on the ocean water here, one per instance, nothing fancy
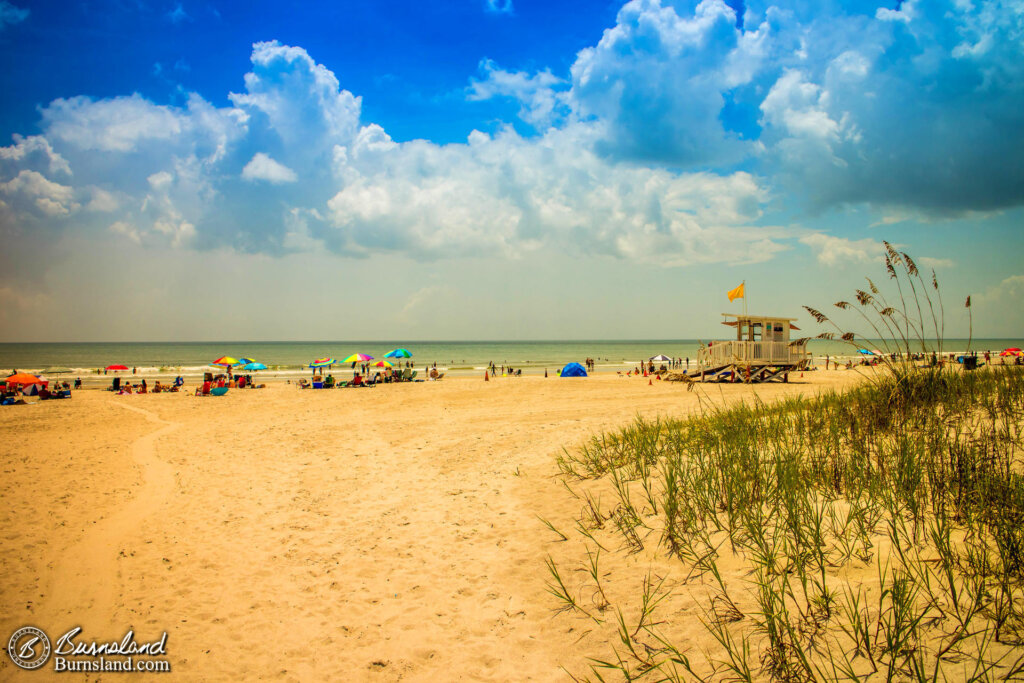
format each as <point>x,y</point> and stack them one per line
<point>459,357</point>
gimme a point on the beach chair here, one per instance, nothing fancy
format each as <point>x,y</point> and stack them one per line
<point>440,376</point>
<point>318,385</point>
<point>407,375</point>
<point>412,376</point>
<point>218,391</point>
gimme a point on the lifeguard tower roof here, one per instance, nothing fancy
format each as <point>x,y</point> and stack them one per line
<point>755,319</point>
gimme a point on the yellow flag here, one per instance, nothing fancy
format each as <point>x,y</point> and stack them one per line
<point>736,293</point>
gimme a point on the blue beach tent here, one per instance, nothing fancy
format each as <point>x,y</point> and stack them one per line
<point>573,370</point>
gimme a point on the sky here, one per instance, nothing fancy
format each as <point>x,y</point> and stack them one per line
<point>501,169</point>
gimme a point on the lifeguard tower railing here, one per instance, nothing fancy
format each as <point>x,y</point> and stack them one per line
<point>752,353</point>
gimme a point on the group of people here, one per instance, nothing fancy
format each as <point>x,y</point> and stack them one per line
<point>361,377</point>
<point>505,370</point>
<point>121,388</point>
<point>971,359</point>
<point>12,393</point>
<point>143,386</point>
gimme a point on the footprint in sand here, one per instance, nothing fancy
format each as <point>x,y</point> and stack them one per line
<point>86,582</point>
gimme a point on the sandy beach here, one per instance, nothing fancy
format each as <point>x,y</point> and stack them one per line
<point>383,534</point>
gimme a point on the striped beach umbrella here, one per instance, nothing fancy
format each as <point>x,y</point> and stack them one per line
<point>357,358</point>
<point>398,353</point>
<point>383,364</point>
<point>322,362</point>
<point>225,362</point>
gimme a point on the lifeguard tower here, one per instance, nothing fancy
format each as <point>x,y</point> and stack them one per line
<point>761,352</point>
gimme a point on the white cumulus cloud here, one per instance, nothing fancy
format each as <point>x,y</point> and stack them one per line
<point>262,167</point>
<point>831,250</point>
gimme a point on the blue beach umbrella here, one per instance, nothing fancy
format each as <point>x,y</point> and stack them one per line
<point>866,352</point>
<point>253,365</point>
<point>398,353</point>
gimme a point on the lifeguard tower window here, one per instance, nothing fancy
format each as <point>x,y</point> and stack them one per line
<point>748,331</point>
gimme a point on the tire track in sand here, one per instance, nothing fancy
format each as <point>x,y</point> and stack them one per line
<point>87,580</point>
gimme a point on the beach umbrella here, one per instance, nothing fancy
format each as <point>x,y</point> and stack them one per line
<point>398,353</point>
<point>225,362</point>
<point>245,361</point>
<point>23,378</point>
<point>357,358</point>
<point>1012,352</point>
<point>117,368</point>
<point>383,364</point>
<point>322,362</point>
<point>866,352</point>
<point>661,358</point>
<point>253,365</point>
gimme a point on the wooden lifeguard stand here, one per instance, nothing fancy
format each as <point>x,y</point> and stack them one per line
<point>761,352</point>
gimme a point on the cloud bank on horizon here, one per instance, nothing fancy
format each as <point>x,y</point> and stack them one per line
<point>668,141</point>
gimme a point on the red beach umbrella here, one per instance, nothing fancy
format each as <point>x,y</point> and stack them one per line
<point>117,368</point>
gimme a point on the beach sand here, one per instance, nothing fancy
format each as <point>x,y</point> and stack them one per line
<point>374,534</point>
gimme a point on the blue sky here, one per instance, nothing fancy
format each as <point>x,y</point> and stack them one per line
<point>498,168</point>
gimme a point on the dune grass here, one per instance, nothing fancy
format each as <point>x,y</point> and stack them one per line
<point>913,479</point>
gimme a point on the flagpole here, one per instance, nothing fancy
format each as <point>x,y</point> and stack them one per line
<point>744,297</point>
